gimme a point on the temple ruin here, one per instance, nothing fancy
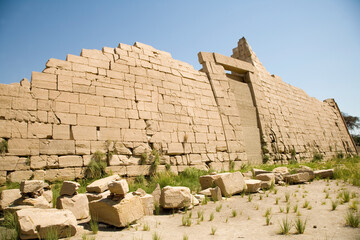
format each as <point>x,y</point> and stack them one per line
<point>129,100</point>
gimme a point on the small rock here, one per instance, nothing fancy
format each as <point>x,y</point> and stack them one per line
<point>30,186</point>
<point>39,202</point>
<point>157,194</point>
<point>207,181</point>
<point>194,201</point>
<point>69,188</point>
<point>148,204</point>
<point>8,197</point>
<point>206,192</point>
<point>253,185</point>
<point>118,187</point>
<point>216,193</point>
<point>97,196</point>
<point>101,185</point>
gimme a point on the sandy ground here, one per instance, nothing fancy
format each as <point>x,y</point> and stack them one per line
<point>250,223</point>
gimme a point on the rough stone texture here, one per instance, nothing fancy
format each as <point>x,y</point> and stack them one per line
<point>148,204</point>
<point>134,97</point>
<point>39,202</point>
<point>252,185</point>
<point>207,181</point>
<point>77,204</point>
<point>266,177</point>
<point>35,222</point>
<point>101,185</point>
<point>69,188</point>
<point>216,193</point>
<point>156,194</point>
<point>297,178</point>
<point>175,197</point>
<point>328,173</point>
<point>119,187</point>
<point>118,213</point>
<point>8,197</point>
<point>30,186</point>
<point>230,183</point>
<point>97,196</point>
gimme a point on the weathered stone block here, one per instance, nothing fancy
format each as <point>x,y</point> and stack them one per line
<point>230,183</point>
<point>207,181</point>
<point>69,188</point>
<point>119,187</point>
<point>175,197</point>
<point>8,197</point>
<point>59,147</point>
<point>19,176</point>
<point>84,133</point>
<point>61,132</point>
<point>23,147</point>
<point>77,204</point>
<point>101,185</point>
<point>252,185</point>
<point>118,213</point>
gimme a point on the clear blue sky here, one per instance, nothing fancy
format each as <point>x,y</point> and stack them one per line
<point>314,45</point>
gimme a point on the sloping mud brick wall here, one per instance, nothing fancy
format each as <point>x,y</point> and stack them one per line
<point>130,100</point>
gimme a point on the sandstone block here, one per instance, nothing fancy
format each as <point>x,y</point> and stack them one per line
<point>37,162</point>
<point>8,163</point>
<point>34,222</point>
<point>77,204</point>
<point>70,161</point>
<point>101,185</point>
<point>23,147</point>
<point>297,178</point>
<point>216,194</point>
<point>230,183</point>
<point>259,171</point>
<point>61,132</point>
<point>30,186</point>
<point>69,188</point>
<point>119,187</point>
<point>39,130</point>
<point>175,148</point>
<point>266,177</point>
<point>48,195</point>
<point>8,197</point>
<point>328,173</point>
<point>118,213</point>
<point>148,204</point>
<point>97,196</point>
<point>57,147</point>
<point>19,176</point>
<point>175,197</point>
<point>253,185</point>
<point>207,181</point>
<point>137,170</point>
<point>39,202</point>
<point>84,133</point>
<point>59,64</point>
<point>281,170</point>
<point>156,194</point>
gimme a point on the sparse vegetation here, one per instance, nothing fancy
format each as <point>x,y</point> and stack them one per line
<point>352,219</point>
<point>97,165</point>
<point>211,217</point>
<point>94,225</point>
<point>306,204</point>
<point>300,226</point>
<point>285,226</point>
<point>156,236</point>
<point>146,227</point>
<point>52,234</point>
<point>3,146</point>
<point>234,213</point>
<point>10,222</point>
<point>186,221</point>
<point>213,230</point>
<point>218,208</point>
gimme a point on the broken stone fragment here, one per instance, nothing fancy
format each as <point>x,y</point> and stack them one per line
<point>77,204</point>
<point>39,202</point>
<point>207,181</point>
<point>97,196</point>
<point>31,186</point>
<point>175,197</point>
<point>259,171</point>
<point>206,192</point>
<point>8,197</point>
<point>194,200</point>
<point>148,204</point>
<point>266,177</point>
<point>328,173</point>
<point>118,187</point>
<point>118,213</point>
<point>230,183</point>
<point>69,188</point>
<point>216,194</point>
<point>297,178</point>
<point>157,194</point>
<point>36,222</point>
<point>281,170</point>
<point>253,185</point>
<point>101,185</point>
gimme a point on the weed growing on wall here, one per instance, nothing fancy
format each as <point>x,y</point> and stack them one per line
<point>97,165</point>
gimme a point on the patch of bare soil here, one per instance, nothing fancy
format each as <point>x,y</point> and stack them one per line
<point>249,222</point>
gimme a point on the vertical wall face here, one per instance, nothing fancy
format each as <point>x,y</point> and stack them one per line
<point>131,100</point>
<point>293,125</point>
<point>124,101</point>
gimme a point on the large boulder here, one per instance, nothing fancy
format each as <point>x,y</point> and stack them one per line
<point>117,213</point>
<point>253,185</point>
<point>101,185</point>
<point>118,187</point>
<point>69,188</point>
<point>8,197</point>
<point>297,178</point>
<point>97,196</point>
<point>37,223</point>
<point>77,204</point>
<point>328,173</point>
<point>207,181</point>
<point>230,183</point>
<point>30,186</point>
<point>175,197</point>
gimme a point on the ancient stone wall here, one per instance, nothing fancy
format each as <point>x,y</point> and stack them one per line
<point>293,125</point>
<point>131,100</point>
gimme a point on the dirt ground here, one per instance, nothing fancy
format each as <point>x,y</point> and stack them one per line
<point>250,223</point>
